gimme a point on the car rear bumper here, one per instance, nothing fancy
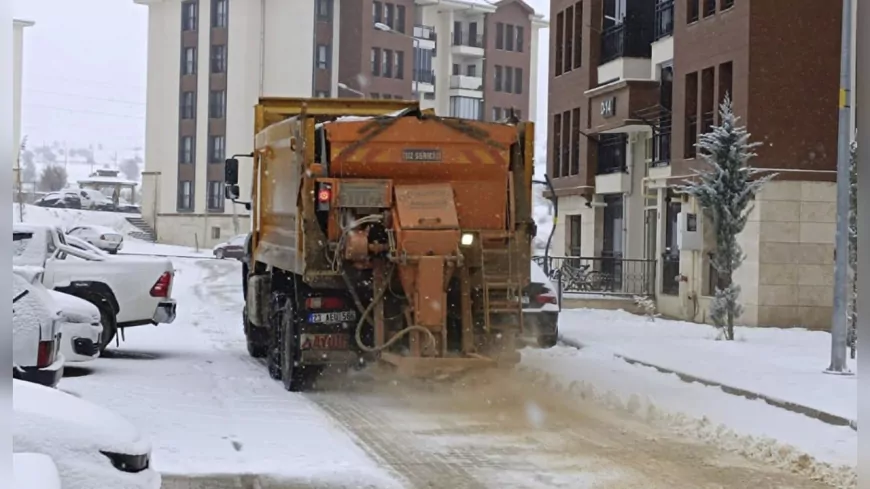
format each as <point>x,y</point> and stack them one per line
<point>81,341</point>
<point>541,323</point>
<point>165,312</point>
<point>47,376</point>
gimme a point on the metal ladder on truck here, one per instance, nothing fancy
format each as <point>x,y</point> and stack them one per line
<point>502,286</point>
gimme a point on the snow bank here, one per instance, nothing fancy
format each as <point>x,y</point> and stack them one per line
<point>34,471</point>
<point>67,218</point>
<point>752,429</point>
<point>785,364</point>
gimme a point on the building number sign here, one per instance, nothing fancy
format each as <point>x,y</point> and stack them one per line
<point>608,107</point>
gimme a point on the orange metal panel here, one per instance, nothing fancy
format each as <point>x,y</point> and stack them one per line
<point>429,206</point>
<point>430,297</point>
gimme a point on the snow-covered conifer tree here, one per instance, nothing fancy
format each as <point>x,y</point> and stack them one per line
<point>724,191</point>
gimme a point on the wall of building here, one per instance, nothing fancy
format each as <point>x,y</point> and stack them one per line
<point>18,27</point>
<point>197,229</point>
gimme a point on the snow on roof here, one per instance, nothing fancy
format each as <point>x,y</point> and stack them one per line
<point>107,181</point>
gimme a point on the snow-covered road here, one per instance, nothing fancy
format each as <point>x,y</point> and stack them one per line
<point>217,420</point>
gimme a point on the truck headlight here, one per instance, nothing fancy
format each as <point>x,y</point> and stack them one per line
<point>467,239</point>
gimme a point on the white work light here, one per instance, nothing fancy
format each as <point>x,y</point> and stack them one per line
<point>467,239</point>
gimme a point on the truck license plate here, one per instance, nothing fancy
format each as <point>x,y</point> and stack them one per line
<point>332,317</point>
<point>323,341</point>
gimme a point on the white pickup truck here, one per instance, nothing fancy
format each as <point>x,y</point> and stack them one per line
<point>128,290</point>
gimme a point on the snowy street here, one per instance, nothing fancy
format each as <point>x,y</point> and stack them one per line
<point>216,419</point>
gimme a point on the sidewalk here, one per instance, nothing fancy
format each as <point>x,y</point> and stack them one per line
<point>782,365</point>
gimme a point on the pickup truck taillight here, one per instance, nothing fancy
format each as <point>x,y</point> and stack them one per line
<point>161,287</point>
<point>45,353</point>
<point>546,298</point>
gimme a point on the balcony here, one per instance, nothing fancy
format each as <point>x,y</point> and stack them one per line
<point>629,39</point>
<point>611,154</point>
<point>615,106</point>
<point>664,25</point>
<point>425,37</point>
<point>467,84</point>
<point>467,44</point>
<point>424,76</point>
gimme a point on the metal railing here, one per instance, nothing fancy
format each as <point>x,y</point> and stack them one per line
<point>464,38</point>
<point>664,19</point>
<point>630,38</point>
<point>600,275</point>
<point>611,154</point>
<point>424,76</point>
<point>426,32</point>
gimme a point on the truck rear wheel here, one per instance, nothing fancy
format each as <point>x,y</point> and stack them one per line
<point>294,375</point>
<point>256,339</point>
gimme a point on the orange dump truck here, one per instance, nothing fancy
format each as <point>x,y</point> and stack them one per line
<point>381,232</point>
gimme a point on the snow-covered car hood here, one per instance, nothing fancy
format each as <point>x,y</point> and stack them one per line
<point>74,309</point>
<point>74,433</point>
<point>101,229</point>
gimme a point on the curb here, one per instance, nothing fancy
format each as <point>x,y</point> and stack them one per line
<point>825,417</point>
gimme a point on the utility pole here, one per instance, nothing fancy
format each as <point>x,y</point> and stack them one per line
<point>840,326</point>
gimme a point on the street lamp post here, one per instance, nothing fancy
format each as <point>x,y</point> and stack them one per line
<point>344,86</point>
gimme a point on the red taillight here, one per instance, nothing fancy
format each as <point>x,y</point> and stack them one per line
<point>45,353</point>
<point>324,195</point>
<point>324,303</point>
<point>546,298</point>
<point>161,287</point>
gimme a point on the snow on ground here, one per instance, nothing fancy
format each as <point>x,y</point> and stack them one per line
<point>207,406</point>
<point>751,428</point>
<point>785,364</point>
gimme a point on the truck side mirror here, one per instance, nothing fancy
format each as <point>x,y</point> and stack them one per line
<point>231,171</point>
<point>231,192</point>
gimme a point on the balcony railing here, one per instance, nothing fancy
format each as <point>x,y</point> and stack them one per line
<point>631,38</point>
<point>463,38</point>
<point>600,275</point>
<point>424,76</point>
<point>426,32</point>
<point>611,154</point>
<point>463,82</point>
<point>664,19</point>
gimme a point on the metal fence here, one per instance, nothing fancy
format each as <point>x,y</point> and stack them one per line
<point>600,275</point>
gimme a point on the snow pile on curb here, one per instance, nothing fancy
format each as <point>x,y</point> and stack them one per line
<point>68,218</point>
<point>762,449</point>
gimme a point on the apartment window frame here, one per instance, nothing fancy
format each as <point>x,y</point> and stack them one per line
<point>400,18</point>
<point>472,106</point>
<point>471,70</point>
<point>499,78</point>
<point>496,114</point>
<point>578,36</point>
<point>557,145</point>
<point>185,195</point>
<point>188,105</point>
<point>376,61</point>
<point>377,12</point>
<point>574,236</point>
<point>389,15</point>
<point>220,13</point>
<point>219,58</point>
<point>323,8</point>
<point>188,60</point>
<point>399,64</point>
<point>215,195</point>
<point>518,81</point>
<point>568,62</point>
<point>217,148</point>
<point>321,94</point>
<point>509,37</point>
<point>559,67</point>
<point>499,36</point>
<point>576,134</point>
<point>387,63</point>
<point>520,42</point>
<point>323,60</point>
<point>725,5</point>
<point>693,11</point>
<point>217,104</point>
<point>509,79</point>
<point>189,16</point>
<point>186,150</point>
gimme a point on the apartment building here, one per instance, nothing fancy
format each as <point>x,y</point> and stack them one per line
<point>18,27</point>
<point>633,83</point>
<point>210,60</point>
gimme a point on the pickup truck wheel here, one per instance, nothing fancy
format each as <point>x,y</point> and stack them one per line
<point>219,254</point>
<point>107,319</point>
<point>293,374</point>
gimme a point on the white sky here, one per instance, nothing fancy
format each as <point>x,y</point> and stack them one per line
<point>85,72</point>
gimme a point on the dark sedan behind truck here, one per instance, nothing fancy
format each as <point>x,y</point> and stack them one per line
<point>234,248</point>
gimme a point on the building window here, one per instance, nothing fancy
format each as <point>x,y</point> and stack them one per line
<point>565,144</point>
<point>496,114</point>
<point>323,55</point>
<point>575,141</point>
<point>693,10</point>
<point>509,37</point>
<point>377,9</point>
<point>185,150</point>
<point>466,108</point>
<point>726,76</point>
<point>726,4</point>
<point>560,42</point>
<point>321,94</point>
<point>520,42</point>
<point>508,79</point>
<point>386,63</point>
<point>375,96</point>
<point>471,70</point>
<point>188,105</point>
<point>216,149</point>
<point>709,8</point>
<point>611,153</point>
<point>188,61</point>
<point>217,104</point>
<point>399,64</point>
<point>557,146</point>
<point>518,81</point>
<point>575,226</point>
<point>324,9</point>
<point>568,62</point>
<point>215,232</point>
<point>376,64</point>
<point>400,18</point>
<point>215,196</point>
<point>219,14</point>
<point>219,58</point>
<point>188,16</point>
<point>518,113</point>
<point>185,195</point>
<point>578,35</point>
<point>499,35</point>
<point>389,15</point>
<point>499,78</point>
